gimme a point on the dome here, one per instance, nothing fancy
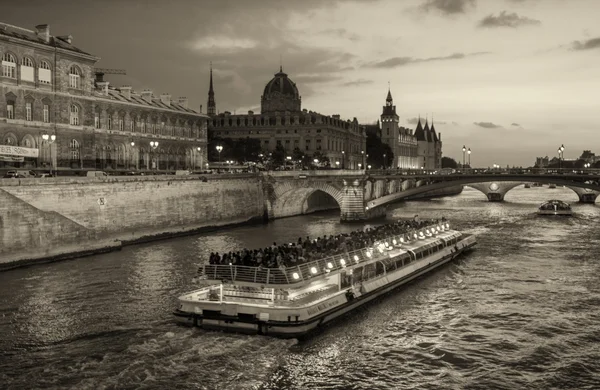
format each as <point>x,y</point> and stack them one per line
<point>281,84</point>
<point>280,94</point>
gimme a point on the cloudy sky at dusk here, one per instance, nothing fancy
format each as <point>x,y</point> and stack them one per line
<point>511,79</point>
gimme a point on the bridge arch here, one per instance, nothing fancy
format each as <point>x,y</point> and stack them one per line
<point>298,197</point>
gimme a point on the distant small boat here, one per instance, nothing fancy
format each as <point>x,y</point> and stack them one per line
<point>555,207</point>
<point>551,185</point>
<point>527,185</point>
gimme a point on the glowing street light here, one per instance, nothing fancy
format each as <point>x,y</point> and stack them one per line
<point>469,152</point>
<point>49,139</point>
<point>464,150</point>
<point>219,149</point>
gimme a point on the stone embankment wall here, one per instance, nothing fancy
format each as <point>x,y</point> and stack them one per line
<point>65,217</point>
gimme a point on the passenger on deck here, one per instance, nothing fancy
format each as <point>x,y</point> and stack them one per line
<point>289,255</point>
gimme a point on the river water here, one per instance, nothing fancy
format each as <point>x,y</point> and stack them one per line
<point>522,311</point>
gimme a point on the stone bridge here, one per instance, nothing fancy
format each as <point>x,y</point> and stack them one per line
<point>363,195</point>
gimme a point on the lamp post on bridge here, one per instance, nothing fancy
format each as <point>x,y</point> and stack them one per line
<point>363,157</point>
<point>469,152</point>
<point>384,161</point>
<point>154,145</point>
<point>464,150</point>
<point>343,159</point>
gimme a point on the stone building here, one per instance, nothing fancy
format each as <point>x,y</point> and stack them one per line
<point>421,149</point>
<point>429,146</point>
<point>57,112</point>
<point>283,121</point>
<point>400,139</point>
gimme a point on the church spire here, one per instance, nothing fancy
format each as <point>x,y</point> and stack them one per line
<point>211,107</point>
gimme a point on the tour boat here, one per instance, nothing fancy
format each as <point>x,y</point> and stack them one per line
<point>294,301</point>
<point>555,207</point>
<point>527,185</point>
<point>551,185</point>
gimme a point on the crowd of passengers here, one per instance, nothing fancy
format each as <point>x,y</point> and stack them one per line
<point>305,250</point>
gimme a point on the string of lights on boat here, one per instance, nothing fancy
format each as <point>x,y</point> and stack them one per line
<point>381,250</point>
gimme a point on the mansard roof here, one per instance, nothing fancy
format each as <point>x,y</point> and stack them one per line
<point>31,36</point>
<point>115,95</point>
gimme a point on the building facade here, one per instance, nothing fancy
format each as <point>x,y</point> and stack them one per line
<point>282,121</point>
<point>58,113</point>
<point>421,149</point>
<point>429,146</point>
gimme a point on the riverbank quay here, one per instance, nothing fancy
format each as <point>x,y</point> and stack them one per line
<point>50,219</point>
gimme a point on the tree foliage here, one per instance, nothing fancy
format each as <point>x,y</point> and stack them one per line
<point>376,151</point>
<point>448,162</point>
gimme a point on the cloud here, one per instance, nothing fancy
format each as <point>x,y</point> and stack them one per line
<point>357,83</point>
<point>341,33</point>
<point>487,125</point>
<point>448,7</point>
<point>515,124</point>
<point>505,19</point>
<point>401,61</point>
<point>455,123</point>
<point>412,121</point>
<point>589,44</point>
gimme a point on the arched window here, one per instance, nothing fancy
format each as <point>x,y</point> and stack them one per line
<point>74,115</point>
<point>27,69</point>
<point>74,77</point>
<point>121,122</point>
<point>9,66</point>
<point>74,150</point>
<point>44,73</point>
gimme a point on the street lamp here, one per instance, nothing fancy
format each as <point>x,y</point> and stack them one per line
<point>154,145</point>
<point>219,149</point>
<point>363,156</point>
<point>50,140</point>
<point>359,166</point>
<point>464,150</point>
<point>369,166</point>
<point>384,160</point>
<point>469,152</point>
<point>343,159</point>
<point>337,164</point>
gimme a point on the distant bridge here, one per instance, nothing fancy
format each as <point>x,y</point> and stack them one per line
<point>362,195</point>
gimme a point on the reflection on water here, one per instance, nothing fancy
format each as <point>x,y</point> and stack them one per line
<point>521,311</point>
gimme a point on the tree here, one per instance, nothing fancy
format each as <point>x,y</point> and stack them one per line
<point>278,155</point>
<point>297,154</point>
<point>323,159</point>
<point>448,162</point>
<point>376,149</point>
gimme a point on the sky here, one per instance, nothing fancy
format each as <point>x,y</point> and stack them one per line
<point>509,79</point>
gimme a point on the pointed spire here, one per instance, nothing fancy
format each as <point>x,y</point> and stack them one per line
<point>280,64</point>
<point>389,95</point>
<point>210,89</point>
<point>211,106</point>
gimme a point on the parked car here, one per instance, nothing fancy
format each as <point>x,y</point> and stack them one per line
<point>12,175</point>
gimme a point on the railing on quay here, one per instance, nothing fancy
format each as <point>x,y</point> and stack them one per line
<point>306,271</point>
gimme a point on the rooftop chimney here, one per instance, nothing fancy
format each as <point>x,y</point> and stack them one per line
<point>146,95</point>
<point>440,135</point>
<point>103,87</point>
<point>43,31</point>
<point>66,38</point>
<point>183,102</point>
<point>200,109</point>
<point>126,91</point>
<point>165,98</point>
<point>250,112</point>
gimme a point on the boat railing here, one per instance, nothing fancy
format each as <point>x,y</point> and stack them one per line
<point>306,271</point>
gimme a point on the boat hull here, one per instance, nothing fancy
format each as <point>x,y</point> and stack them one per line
<point>297,329</point>
<point>558,212</point>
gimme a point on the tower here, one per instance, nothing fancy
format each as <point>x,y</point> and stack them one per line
<point>389,127</point>
<point>211,106</point>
